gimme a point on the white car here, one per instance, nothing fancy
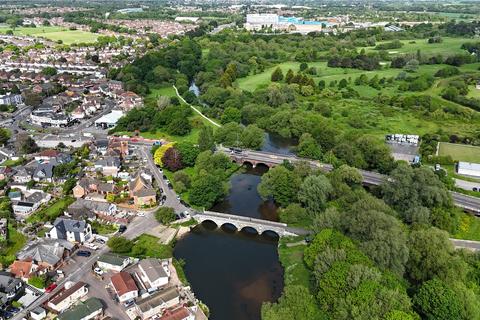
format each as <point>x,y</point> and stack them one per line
<point>141,214</point>
<point>98,271</point>
<point>186,213</point>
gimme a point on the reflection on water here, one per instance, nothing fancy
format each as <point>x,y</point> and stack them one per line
<point>243,198</point>
<point>277,144</point>
<point>232,272</point>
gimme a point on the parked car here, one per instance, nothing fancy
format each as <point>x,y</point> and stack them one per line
<point>98,271</point>
<point>122,228</point>
<point>141,214</point>
<point>51,287</point>
<point>84,253</point>
<point>128,303</point>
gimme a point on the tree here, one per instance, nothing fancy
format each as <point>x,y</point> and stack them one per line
<point>289,76</point>
<point>252,137</point>
<point>172,160</point>
<point>165,215</point>
<point>179,126</point>
<point>435,300</point>
<point>430,255</point>
<point>281,184</point>
<point>412,65</point>
<point>26,144</point>
<point>377,155</point>
<point>296,303</point>
<point>314,193</point>
<point>49,71</point>
<point>4,135</point>
<point>231,114</point>
<point>182,177</point>
<point>308,147</point>
<point>188,153</point>
<point>229,134</point>
<point>158,155</point>
<point>205,139</point>
<point>206,190</point>
<point>277,75</point>
<point>293,214</point>
<point>119,244</point>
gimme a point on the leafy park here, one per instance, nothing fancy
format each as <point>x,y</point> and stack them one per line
<point>53,33</point>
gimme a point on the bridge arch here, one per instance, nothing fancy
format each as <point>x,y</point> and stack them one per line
<point>249,230</point>
<point>209,222</point>
<point>229,226</point>
<point>270,234</point>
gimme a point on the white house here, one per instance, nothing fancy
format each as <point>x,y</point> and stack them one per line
<point>124,286</point>
<point>113,262</point>
<point>153,273</point>
<point>69,295</point>
<point>38,313</point>
<point>469,169</point>
<point>70,229</point>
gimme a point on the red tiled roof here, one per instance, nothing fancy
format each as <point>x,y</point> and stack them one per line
<point>123,283</point>
<point>49,153</point>
<point>21,268</point>
<point>177,314</point>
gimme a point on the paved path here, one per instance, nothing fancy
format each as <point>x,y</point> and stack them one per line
<point>195,109</point>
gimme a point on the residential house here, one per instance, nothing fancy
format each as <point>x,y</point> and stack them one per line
<point>90,309</point>
<point>119,148</point>
<point>141,191</point>
<point>85,186</point>
<point>153,273</point>
<point>10,99</point>
<point>70,229</point>
<point>109,166</point>
<point>28,203</point>
<point>7,153</point>
<point>23,269</point>
<point>47,253</point>
<point>113,262</point>
<point>181,313</point>
<point>6,172</point>
<point>38,313</point>
<point>130,100</point>
<point>44,172</point>
<point>124,286</point>
<point>69,295</point>
<point>102,208</point>
<point>10,288</point>
<point>22,175</point>
<point>158,302</point>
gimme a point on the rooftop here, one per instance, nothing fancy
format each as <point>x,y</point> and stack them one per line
<point>157,299</point>
<point>123,283</point>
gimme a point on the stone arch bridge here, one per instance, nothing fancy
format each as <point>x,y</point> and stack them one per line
<point>241,222</point>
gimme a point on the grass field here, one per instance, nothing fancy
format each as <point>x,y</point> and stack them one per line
<point>459,152</point>
<point>51,210</point>
<point>449,46</point>
<point>296,273</point>
<point>55,33</point>
<point>469,228</point>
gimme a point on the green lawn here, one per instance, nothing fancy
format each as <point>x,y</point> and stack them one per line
<point>16,241</point>
<point>469,228</point>
<point>55,33</point>
<point>148,246</point>
<point>460,152</point>
<point>103,228</point>
<point>449,46</point>
<point>51,210</point>
<point>291,258</point>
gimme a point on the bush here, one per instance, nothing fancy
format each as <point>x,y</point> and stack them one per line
<point>37,282</point>
<point>165,215</point>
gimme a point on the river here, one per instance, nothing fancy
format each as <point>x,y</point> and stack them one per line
<point>235,272</point>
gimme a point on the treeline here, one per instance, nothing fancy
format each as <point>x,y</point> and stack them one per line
<point>355,60</point>
<point>386,256</point>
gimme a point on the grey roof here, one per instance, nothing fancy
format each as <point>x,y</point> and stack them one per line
<point>44,170</point>
<point>157,299</point>
<point>106,187</point>
<point>153,269</point>
<point>35,197</point>
<point>8,282</point>
<point>108,162</point>
<point>82,310</point>
<point>88,204</point>
<point>113,259</point>
<point>146,192</point>
<point>64,225</point>
<point>45,250</point>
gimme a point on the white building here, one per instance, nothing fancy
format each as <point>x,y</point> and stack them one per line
<point>70,229</point>
<point>153,273</point>
<point>109,120</point>
<point>68,296</point>
<point>124,286</point>
<point>114,262</point>
<point>265,19</point>
<point>468,169</point>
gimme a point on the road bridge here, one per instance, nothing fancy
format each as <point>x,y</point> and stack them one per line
<point>467,203</point>
<point>241,222</point>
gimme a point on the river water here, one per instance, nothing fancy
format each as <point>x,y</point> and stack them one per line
<point>235,272</point>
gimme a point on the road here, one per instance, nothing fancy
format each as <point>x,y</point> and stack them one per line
<point>466,244</point>
<point>466,185</point>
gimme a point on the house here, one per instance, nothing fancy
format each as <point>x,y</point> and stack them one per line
<point>6,172</point>
<point>118,147</point>
<point>102,208</point>
<point>468,169</point>
<point>23,269</point>
<point>22,175</point>
<point>130,100</point>
<point>90,309</point>
<point>124,286</point>
<point>47,155</point>
<point>70,229</point>
<point>85,186</point>
<point>44,172</point>
<point>181,313</point>
<point>69,295</point>
<point>38,313</point>
<point>113,262</point>
<point>109,166</point>
<point>156,303</point>
<point>29,203</point>
<point>10,288</point>
<point>153,273</point>
<point>3,229</point>
<point>141,191</point>
<point>10,99</point>
<point>47,253</point>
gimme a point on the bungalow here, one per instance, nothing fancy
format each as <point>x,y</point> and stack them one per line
<point>103,208</point>
<point>90,309</point>
<point>23,269</point>
<point>47,253</point>
<point>113,262</point>
<point>181,313</point>
<point>67,296</point>
<point>153,273</point>
<point>38,313</point>
<point>70,229</point>
<point>124,286</point>
<point>109,166</point>
<point>141,191</point>
<point>158,302</point>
